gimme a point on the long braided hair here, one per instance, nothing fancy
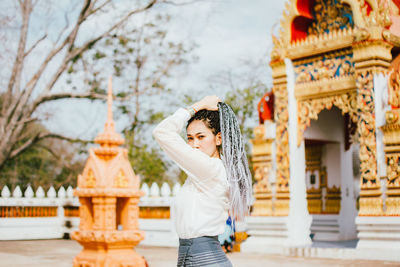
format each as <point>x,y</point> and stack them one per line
<point>235,161</point>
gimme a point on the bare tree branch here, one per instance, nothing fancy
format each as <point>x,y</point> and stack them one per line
<point>52,97</point>
<point>69,40</point>
<point>61,160</point>
<point>34,45</point>
<point>62,137</point>
<point>89,43</point>
<point>90,95</point>
<point>180,4</point>
<point>100,7</point>
<point>55,155</point>
<point>26,10</point>
<point>20,106</point>
<point>41,136</point>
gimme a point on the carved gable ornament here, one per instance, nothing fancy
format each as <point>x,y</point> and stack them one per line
<point>328,41</point>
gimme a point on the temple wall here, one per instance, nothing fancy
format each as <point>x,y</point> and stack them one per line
<point>348,210</point>
<point>52,215</point>
<point>332,160</point>
<point>328,127</point>
<point>339,165</point>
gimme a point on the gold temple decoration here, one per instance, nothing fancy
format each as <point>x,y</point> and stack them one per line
<point>261,158</point>
<point>320,191</point>
<point>330,16</point>
<point>394,83</point>
<point>154,212</point>
<point>370,195</point>
<point>391,140</point>
<point>332,200</point>
<point>335,58</point>
<point>313,167</point>
<point>121,180</point>
<point>309,109</point>
<point>282,138</point>
<point>90,179</point>
<point>314,200</point>
<point>325,67</point>
<point>108,192</point>
<point>372,55</point>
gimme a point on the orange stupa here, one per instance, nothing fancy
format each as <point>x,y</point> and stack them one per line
<point>108,192</point>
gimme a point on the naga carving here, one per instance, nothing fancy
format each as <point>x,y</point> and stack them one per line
<point>309,109</point>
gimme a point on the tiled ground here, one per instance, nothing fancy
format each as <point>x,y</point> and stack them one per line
<point>59,253</point>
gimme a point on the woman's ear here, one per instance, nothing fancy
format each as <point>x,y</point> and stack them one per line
<point>219,139</point>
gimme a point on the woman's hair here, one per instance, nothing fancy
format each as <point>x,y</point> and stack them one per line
<point>233,156</point>
<point>210,119</point>
<point>235,161</point>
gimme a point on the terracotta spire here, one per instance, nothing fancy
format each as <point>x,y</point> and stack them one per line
<point>108,192</point>
<point>110,121</point>
<point>109,137</point>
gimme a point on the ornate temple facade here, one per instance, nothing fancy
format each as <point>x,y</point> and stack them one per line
<point>327,159</point>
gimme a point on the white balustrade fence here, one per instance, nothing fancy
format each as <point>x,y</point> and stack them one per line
<point>34,214</point>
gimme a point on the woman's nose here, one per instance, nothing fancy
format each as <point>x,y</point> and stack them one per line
<point>196,143</point>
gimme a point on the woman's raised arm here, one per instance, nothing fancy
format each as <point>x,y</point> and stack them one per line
<point>191,160</point>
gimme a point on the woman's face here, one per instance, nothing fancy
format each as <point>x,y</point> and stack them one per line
<point>201,137</point>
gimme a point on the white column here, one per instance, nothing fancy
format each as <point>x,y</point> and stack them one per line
<point>381,106</point>
<point>348,211</point>
<point>299,220</point>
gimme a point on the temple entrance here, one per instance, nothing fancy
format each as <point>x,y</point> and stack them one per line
<point>331,193</point>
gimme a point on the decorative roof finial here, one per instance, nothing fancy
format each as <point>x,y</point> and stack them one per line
<point>109,102</point>
<point>109,137</point>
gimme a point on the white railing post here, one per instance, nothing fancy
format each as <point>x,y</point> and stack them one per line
<point>28,192</point>
<point>17,193</point>
<point>175,189</point>
<point>154,190</point>
<point>165,190</point>
<point>5,192</point>
<point>40,192</point>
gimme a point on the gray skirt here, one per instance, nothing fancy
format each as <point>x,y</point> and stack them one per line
<point>204,251</point>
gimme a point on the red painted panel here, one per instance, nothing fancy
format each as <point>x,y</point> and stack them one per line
<point>369,8</point>
<point>305,8</point>
<point>299,28</point>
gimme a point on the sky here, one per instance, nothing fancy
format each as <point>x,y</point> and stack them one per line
<point>225,31</point>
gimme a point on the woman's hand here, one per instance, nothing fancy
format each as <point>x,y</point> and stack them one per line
<point>209,102</point>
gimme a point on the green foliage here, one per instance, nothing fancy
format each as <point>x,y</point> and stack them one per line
<point>146,161</point>
<point>142,57</point>
<point>48,163</point>
<point>244,103</point>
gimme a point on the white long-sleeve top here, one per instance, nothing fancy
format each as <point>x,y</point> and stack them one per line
<point>201,206</point>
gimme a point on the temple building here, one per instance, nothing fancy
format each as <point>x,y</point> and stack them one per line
<point>326,154</point>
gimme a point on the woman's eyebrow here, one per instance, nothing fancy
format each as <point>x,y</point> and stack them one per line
<point>195,133</point>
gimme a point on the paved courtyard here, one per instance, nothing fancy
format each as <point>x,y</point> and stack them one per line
<point>59,253</point>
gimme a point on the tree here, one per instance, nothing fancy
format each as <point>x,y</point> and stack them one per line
<point>241,88</point>
<point>49,162</point>
<point>59,51</point>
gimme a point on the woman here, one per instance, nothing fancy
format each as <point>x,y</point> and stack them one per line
<point>215,185</point>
